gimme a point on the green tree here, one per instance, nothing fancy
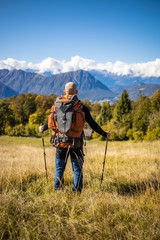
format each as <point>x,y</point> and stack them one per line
<point>155,100</point>
<point>95,109</point>
<point>123,106</point>
<point>122,117</point>
<point>29,107</point>
<point>50,101</point>
<point>6,116</point>
<point>154,120</point>
<point>41,102</point>
<point>105,114</point>
<point>18,108</point>
<point>87,103</point>
<point>136,104</point>
<point>37,118</point>
<point>141,117</point>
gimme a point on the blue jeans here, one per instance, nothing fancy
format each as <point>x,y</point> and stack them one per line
<point>77,166</point>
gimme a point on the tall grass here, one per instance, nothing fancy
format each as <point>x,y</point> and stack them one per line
<point>127,206</point>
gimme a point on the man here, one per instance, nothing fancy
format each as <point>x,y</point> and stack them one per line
<point>60,135</point>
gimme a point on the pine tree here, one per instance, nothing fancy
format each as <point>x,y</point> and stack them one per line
<point>123,106</point>
<point>155,99</point>
<point>105,114</point>
<point>18,108</point>
<point>141,118</point>
<point>29,107</point>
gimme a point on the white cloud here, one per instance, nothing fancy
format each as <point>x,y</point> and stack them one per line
<point>11,63</point>
<point>148,69</point>
<point>49,65</point>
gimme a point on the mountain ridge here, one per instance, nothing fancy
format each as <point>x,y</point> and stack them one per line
<point>22,81</point>
<point>88,86</point>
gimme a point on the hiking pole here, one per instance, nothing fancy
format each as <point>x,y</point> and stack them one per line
<point>44,157</point>
<point>104,162</point>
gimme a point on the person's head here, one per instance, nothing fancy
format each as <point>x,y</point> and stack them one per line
<point>70,89</point>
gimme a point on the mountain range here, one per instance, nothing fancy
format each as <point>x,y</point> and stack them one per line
<point>108,87</point>
<point>117,83</point>
<point>87,85</point>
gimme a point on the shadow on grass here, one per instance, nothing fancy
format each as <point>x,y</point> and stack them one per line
<point>127,188</point>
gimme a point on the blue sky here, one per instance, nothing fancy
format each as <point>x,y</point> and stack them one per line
<point>111,30</point>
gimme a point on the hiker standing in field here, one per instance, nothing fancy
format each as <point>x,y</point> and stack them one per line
<point>67,119</point>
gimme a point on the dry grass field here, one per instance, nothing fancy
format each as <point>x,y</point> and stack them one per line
<point>127,207</point>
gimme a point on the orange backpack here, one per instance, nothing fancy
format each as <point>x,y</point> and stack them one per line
<point>67,120</point>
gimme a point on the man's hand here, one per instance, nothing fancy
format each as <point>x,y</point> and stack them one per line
<point>108,135</point>
<point>41,129</point>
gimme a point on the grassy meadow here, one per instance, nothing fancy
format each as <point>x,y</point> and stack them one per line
<point>127,207</point>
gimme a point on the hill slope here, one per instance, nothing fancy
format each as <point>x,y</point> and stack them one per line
<point>146,89</point>
<point>6,92</point>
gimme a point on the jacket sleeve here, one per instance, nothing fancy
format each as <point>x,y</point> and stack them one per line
<point>92,123</point>
<point>45,126</point>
